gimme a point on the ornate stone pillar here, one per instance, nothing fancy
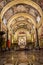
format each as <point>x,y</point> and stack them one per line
<point>0,23</point>
<point>7,38</point>
<point>37,39</point>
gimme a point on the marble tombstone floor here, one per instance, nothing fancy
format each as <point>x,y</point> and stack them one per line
<point>33,57</point>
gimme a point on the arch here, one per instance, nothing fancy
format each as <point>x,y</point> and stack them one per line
<point>20,22</point>
<point>24,15</point>
<point>28,2</point>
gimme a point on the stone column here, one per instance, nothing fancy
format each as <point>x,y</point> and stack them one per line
<point>0,26</point>
<point>7,38</point>
<point>37,39</point>
<point>0,23</point>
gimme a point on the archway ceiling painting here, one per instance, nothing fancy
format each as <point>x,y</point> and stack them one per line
<point>12,13</point>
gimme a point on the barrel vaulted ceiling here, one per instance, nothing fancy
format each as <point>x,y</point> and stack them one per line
<point>17,14</point>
